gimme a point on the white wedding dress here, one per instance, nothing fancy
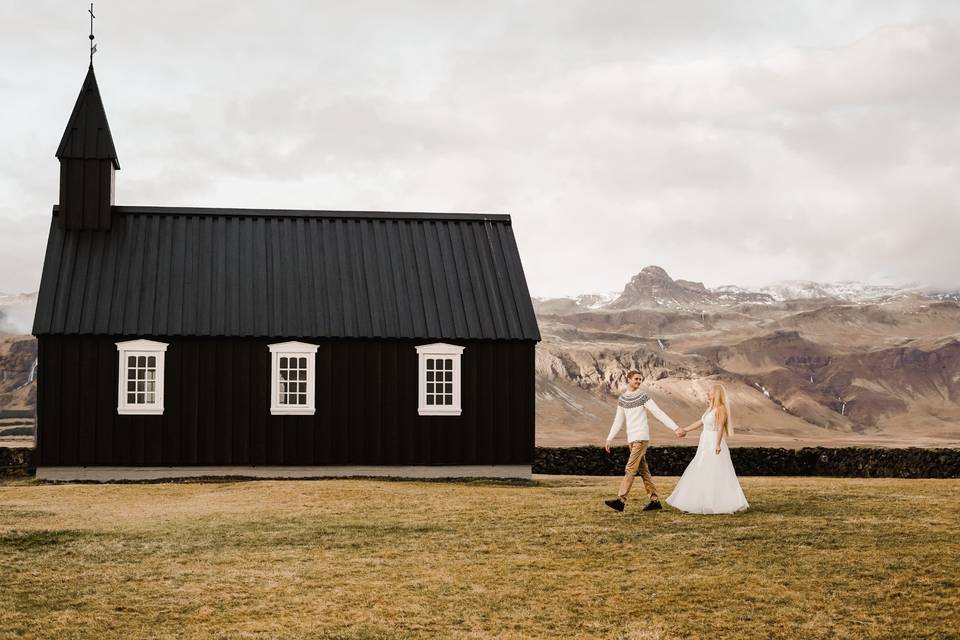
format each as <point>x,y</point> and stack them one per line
<point>709,484</point>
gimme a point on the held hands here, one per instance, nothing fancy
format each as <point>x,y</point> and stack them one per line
<point>681,433</point>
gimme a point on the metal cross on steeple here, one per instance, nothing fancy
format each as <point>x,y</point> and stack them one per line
<point>93,47</point>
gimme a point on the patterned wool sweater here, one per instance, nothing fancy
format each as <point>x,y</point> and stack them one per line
<point>632,410</point>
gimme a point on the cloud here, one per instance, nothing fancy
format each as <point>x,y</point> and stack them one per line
<point>729,142</point>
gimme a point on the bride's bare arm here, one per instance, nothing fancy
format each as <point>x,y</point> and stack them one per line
<point>696,425</point>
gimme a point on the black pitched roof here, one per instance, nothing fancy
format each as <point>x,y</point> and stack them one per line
<point>88,134</point>
<point>242,272</point>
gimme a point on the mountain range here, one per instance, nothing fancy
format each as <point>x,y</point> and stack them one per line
<point>653,287</point>
<point>804,363</point>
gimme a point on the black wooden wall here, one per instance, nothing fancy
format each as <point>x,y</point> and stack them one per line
<point>217,406</point>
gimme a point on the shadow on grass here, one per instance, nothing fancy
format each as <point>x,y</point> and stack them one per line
<point>13,512</point>
<point>30,541</point>
<point>301,533</point>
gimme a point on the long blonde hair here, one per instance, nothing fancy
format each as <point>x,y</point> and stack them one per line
<point>721,408</point>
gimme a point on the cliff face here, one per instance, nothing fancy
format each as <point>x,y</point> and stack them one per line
<point>18,391</point>
<point>18,356</point>
<point>654,286</point>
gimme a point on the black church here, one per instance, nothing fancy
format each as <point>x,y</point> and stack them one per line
<point>180,341</point>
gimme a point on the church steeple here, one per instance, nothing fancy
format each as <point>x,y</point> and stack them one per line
<point>87,136</point>
<point>88,159</point>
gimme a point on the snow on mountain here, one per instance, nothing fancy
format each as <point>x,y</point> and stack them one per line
<point>653,287</point>
<point>16,312</point>
<point>849,291</point>
<point>572,304</point>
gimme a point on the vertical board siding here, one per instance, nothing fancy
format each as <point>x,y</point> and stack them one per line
<point>106,397</point>
<point>87,411</point>
<point>217,407</point>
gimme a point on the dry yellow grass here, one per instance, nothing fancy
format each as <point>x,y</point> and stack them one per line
<point>814,558</point>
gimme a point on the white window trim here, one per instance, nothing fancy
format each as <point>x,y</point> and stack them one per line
<point>140,347</point>
<point>300,350</point>
<point>440,350</point>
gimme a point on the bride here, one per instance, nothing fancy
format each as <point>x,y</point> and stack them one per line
<point>709,484</point>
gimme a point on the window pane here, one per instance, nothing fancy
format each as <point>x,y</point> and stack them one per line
<point>131,361</point>
<point>448,400</point>
<point>151,398</point>
<point>429,376</point>
<point>131,398</point>
<point>283,374</point>
<point>448,388</point>
<point>140,386</point>
<point>429,387</point>
<point>429,399</point>
<point>140,398</point>
<point>303,398</point>
<point>283,361</point>
<point>449,376</point>
<point>429,363</point>
<point>151,361</point>
<point>131,374</point>
<point>303,363</point>
<point>303,375</point>
<point>141,374</point>
<point>302,387</point>
<point>142,361</point>
<point>151,374</point>
<point>151,386</point>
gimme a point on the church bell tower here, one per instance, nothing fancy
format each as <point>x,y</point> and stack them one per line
<point>88,159</point>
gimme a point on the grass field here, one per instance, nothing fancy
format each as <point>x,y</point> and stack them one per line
<point>813,558</point>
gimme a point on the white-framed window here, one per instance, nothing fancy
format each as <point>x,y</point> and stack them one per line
<point>140,389</point>
<point>439,379</point>
<point>292,378</point>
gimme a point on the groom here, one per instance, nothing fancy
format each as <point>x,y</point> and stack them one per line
<point>632,409</point>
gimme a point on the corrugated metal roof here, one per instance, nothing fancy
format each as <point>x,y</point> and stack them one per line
<point>87,135</point>
<point>239,272</point>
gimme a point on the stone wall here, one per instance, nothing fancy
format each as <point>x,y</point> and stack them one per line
<point>16,460</point>
<point>850,462</point>
<point>671,461</point>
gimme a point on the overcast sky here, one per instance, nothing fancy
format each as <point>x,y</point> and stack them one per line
<point>727,142</point>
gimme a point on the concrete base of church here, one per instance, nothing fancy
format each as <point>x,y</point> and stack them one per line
<point>112,474</point>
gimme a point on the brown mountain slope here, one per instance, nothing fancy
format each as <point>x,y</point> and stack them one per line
<point>800,372</point>
<point>17,357</point>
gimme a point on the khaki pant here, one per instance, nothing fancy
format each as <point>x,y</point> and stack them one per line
<point>637,462</point>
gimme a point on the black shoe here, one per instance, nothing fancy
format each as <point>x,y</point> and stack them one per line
<point>616,504</point>
<point>653,505</point>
